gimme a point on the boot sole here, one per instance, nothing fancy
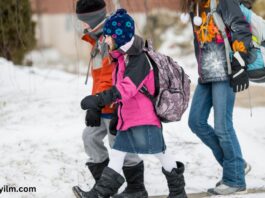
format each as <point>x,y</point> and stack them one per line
<point>144,195</point>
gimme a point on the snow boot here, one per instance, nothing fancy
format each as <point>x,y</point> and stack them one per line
<point>134,176</point>
<point>175,181</point>
<point>96,170</point>
<point>108,184</point>
<point>79,193</point>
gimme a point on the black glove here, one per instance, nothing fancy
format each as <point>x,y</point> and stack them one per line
<point>92,102</point>
<point>114,122</point>
<point>98,101</point>
<point>239,78</point>
<point>93,118</point>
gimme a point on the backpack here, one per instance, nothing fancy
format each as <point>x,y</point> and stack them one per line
<point>256,70</point>
<point>256,67</point>
<point>172,86</point>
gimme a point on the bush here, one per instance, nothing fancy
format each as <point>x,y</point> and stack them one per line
<point>17,35</point>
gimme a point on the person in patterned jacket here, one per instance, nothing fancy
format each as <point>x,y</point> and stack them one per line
<point>216,89</point>
<point>93,14</point>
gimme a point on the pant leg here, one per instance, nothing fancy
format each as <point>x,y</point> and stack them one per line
<point>198,119</point>
<point>93,143</point>
<point>233,163</point>
<point>130,158</point>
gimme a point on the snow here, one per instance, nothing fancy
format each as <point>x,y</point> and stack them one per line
<point>41,144</point>
<point>52,58</point>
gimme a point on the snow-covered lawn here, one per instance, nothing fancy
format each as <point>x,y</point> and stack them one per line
<point>41,126</point>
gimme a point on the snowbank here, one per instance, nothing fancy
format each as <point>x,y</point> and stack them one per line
<point>41,127</point>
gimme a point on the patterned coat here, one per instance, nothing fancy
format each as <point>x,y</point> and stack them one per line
<point>210,48</point>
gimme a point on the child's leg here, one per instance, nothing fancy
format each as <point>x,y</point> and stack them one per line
<point>167,161</point>
<point>116,160</point>
<point>173,172</point>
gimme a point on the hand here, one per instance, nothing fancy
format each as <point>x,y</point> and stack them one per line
<point>91,102</point>
<point>239,78</point>
<point>97,102</point>
<point>92,118</point>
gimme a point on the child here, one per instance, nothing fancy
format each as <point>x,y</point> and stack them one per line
<point>93,14</point>
<point>216,88</point>
<point>139,128</point>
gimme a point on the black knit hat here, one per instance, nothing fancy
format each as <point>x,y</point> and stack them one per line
<point>86,6</point>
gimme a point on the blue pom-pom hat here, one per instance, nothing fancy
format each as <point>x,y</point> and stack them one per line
<point>120,26</point>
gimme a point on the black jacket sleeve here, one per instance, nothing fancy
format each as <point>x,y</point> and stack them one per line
<point>136,73</point>
<point>237,24</point>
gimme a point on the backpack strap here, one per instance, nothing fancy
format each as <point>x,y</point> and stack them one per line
<point>144,89</point>
<point>222,28</point>
<point>147,47</point>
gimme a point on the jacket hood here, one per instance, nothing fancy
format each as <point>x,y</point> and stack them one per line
<point>134,47</point>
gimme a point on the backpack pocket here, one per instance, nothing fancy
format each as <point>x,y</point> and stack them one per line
<point>169,106</point>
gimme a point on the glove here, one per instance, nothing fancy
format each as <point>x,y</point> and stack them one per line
<point>92,118</point>
<point>239,78</point>
<point>91,102</point>
<point>97,102</point>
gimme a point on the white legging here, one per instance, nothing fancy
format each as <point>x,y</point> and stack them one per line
<point>117,159</point>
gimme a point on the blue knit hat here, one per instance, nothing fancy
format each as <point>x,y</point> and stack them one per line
<point>120,26</point>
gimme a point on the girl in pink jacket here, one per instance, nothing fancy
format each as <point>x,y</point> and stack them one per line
<point>139,129</point>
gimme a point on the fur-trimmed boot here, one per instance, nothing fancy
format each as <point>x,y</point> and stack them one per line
<point>134,176</point>
<point>175,181</point>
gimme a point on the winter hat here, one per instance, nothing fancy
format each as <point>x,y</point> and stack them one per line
<point>91,12</point>
<point>120,26</point>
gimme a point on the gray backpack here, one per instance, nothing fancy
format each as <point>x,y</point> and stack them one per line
<point>172,84</point>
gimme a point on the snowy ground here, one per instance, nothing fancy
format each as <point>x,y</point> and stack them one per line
<point>41,126</point>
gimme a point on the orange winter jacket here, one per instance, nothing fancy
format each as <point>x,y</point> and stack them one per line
<point>101,67</point>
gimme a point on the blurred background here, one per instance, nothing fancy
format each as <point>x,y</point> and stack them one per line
<point>51,34</point>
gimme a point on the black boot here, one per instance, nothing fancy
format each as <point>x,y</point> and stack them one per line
<point>109,183</point>
<point>96,170</point>
<point>134,176</point>
<point>175,181</point>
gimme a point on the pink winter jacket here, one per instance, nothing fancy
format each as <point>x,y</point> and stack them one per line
<point>132,71</point>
